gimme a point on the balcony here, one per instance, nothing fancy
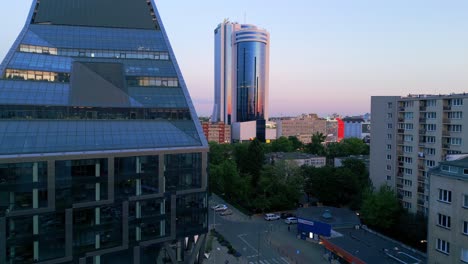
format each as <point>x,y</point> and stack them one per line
<point>421,202</point>
<point>422,108</point>
<point>399,185</point>
<point>401,131</point>
<point>400,164</point>
<point>420,189</point>
<point>400,119</point>
<point>445,133</point>
<point>420,167</point>
<point>446,146</point>
<point>447,107</point>
<point>446,120</point>
<point>401,109</point>
<point>422,131</point>
<point>421,179</point>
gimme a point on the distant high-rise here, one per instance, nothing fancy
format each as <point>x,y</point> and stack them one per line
<point>102,157</point>
<point>241,73</point>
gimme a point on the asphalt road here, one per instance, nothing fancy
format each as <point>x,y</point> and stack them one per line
<point>263,242</point>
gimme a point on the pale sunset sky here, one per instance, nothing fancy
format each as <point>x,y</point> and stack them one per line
<point>326,56</point>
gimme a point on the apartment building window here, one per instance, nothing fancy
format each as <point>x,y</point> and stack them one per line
<point>389,147</point>
<point>389,167</point>
<point>389,178</point>
<point>407,193</point>
<point>454,141</point>
<point>444,221</point>
<point>445,196</point>
<point>464,255</point>
<point>447,168</point>
<point>389,157</point>
<point>465,228</point>
<point>408,160</point>
<point>430,151</point>
<point>407,182</point>
<point>408,104</point>
<point>408,171</point>
<point>389,105</point>
<point>431,127</point>
<point>455,102</point>
<point>443,246</point>
<point>389,136</point>
<point>409,115</point>
<point>431,115</point>
<point>465,200</point>
<point>430,139</point>
<point>389,115</point>
<point>455,128</point>
<point>408,149</point>
<point>455,115</point>
<point>430,163</point>
<point>389,126</point>
<point>431,103</point>
<point>408,138</point>
<point>406,205</point>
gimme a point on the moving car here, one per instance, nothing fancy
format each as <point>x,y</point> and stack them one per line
<point>226,212</point>
<point>219,207</point>
<point>270,217</point>
<point>291,220</point>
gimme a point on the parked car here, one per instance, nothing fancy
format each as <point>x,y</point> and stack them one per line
<point>291,220</point>
<point>270,217</point>
<point>286,215</point>
<point>226,212</point>
<point>219,207</point>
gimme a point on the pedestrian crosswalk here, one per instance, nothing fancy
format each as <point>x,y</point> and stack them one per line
<point>270,261</point>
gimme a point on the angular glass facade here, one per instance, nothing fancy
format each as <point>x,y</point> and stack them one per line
<point>102,157</point>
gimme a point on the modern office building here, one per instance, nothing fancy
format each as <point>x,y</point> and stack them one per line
<point>353,126</point>
<point>102,156</point>
<point>411,135</point>
<point>448,212</point>
<point>241,73</point>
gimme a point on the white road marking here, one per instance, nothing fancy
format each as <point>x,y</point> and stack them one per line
<point>283,259</point>
<point>247,243</point>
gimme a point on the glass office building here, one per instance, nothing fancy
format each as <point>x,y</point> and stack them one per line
<point>241,73</point>
<point>102,157</point>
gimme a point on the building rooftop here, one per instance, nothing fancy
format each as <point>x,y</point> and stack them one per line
<point>433,96</point>
<point>291,155</point>
<point>457,168</point>
<point>372,248</point>
<point>336,217</point>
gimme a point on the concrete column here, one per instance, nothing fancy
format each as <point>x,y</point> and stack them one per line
<point>51,184</point>
<point>110,180</point>
<point>98,185</point>
<point>2,240</point>
<point>162,179</point>
<point>136,255</point>
<point>138,216</point>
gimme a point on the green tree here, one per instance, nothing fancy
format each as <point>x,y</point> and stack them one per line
<point>253,161</point>
<point>219,152</point>
<point>316,146</point>
<point>282,144</point>
<point>380,209</point>
<point>296,144</point>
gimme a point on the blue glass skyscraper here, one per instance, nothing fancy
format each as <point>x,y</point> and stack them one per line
<point>102,157</point>
<point>241,73</point>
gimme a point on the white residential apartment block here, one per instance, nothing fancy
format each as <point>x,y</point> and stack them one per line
<point>412,135</point>
<point>448,213</point>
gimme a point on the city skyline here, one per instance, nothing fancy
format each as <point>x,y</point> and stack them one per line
<point>324,55</point>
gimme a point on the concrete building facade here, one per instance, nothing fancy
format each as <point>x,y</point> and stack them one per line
<point>411,135</point>
<point>217,132</point>
<point>448,213</point>
<point>102,157</point>
<point>302,127</point>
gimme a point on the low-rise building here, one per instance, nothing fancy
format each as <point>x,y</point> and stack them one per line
<point>298,158</point>
<point>448,212</point>
<point>302,127</point>
<point>217,132</point>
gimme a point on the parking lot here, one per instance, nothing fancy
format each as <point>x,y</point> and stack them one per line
<point>263,242</point>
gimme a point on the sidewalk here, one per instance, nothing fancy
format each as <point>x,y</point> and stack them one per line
<point>219,255</point>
